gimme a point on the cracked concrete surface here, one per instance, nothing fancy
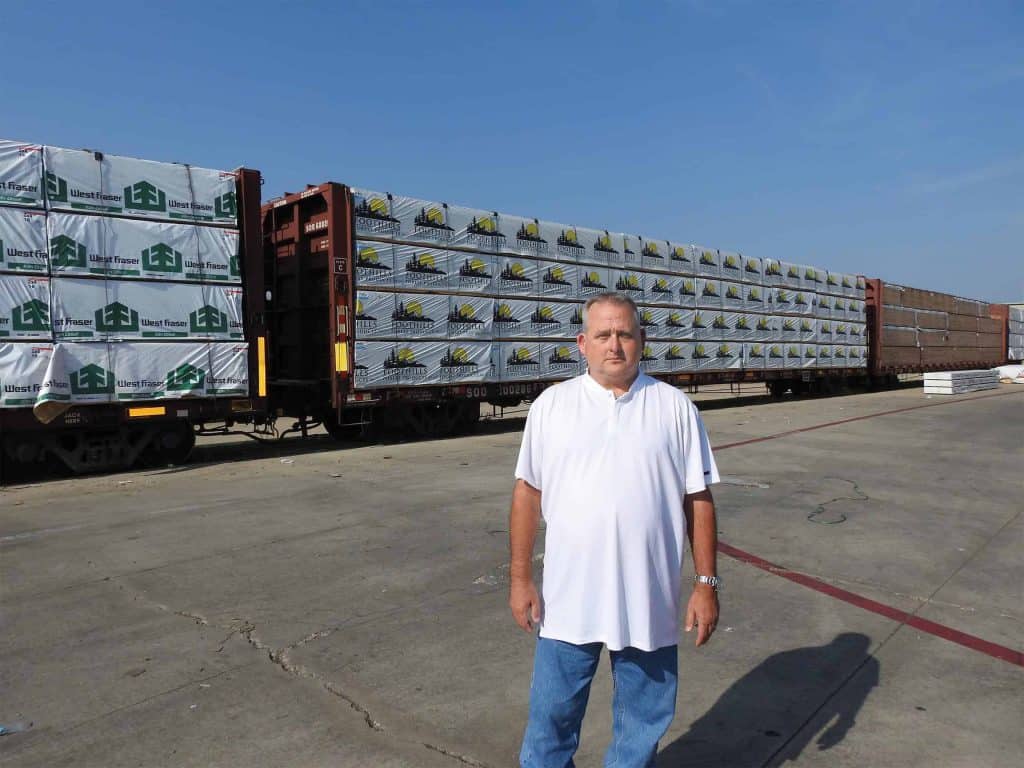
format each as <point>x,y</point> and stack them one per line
<point>266,614</point>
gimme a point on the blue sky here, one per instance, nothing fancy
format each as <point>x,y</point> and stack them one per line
<point>880,138</point>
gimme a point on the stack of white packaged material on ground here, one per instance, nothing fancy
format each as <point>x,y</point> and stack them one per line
<point>959,382</point>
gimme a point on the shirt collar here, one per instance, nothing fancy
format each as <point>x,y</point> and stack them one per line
<point>591,384</point>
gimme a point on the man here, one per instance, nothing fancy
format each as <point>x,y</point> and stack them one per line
<point>614,461</point>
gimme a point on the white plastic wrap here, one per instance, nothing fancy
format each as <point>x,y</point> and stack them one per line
<point>558,279</point>
<point>755,298</point>
<point>368,369</point>
<point>420,267</point>
<point>98,309</point>
<point>731,266</point>
<point>728,356</point>
<point>561,360</point>
<point>468,362</point>
<point>517,276</point>
<point>422,221</point>
<point>709,293</point>
<point>472,272</point>
<point>754,356</point>
<point>791,277</point>
<point>804,302</point>
<point>679,356</point>
<point>375,264</point>
<point>631,255</point>
<point>654,254</point>
<point>599,248</point>
<point>652,357</point>
<point>753,270</point>
<point>701,324</point>
<point>808,355</point>
<point>550,318</point>
<point>152,371</point>
<point>812,279</point>
<point>774,272</point>
<point>79,180</point>
<point>678,323</point>
<point>525,236</point>
<point>21,174</point>
<point>708,262</point>
<point>594,280</point>
<point>420,316</point>
<point>743,326</point>
<point>229,370</point>
<point>79,373</point>
<point>688,292</point>
<point>23,369</point>
<point>23,244</point>
<point>373,215</point>
<point>776,356</point>
<point>662,289</point>
<point>470,317</point>
<point>732,295</point>
<point>512,318</point>
<point>375,312</point>
<point>629,282</point>
<point>823,309</point>
<point>96,245</point>
<point>411,363</point>
<point>824,331</point>
<point>519,360</point>
<point>25,308</point>
<point>652,322</point>
<point>721,326</point>
<point>839,356</point>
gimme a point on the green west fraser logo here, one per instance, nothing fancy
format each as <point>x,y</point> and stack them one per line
<point>92,380</point>
<point>117,317</point>
<point>225,206</point>
<point>66,252</point>
<point>161,258</point>
<point>208,319</point>
<point>185,378</point>
<point>143,196</point>
<point>56,188</point>
<point>33,315</point>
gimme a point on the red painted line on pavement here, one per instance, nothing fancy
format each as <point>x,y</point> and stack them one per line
<point>776,436</point>
<point>994,650</point>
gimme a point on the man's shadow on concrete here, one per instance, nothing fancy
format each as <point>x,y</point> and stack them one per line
<point>770,715</point>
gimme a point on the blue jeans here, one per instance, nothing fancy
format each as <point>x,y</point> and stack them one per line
<point>643,704</point>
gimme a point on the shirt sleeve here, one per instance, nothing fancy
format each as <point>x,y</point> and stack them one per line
<point>699,468</point>
<point>528,466</point>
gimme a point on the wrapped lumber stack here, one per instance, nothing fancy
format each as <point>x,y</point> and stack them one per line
<point>959,382</point>
<point>929,330</point>
<point>1016,332</point>
<point>449,294</point>
<point>119,279</point>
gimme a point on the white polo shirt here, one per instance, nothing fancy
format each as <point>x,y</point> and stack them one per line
<point>612,474</point>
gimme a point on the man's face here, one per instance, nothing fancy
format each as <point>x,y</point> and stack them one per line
<point>612,343</point>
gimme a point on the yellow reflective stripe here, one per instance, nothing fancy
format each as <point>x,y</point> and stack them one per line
<point>341,357</point>
<point>261,362</point>
<point>156,410</point>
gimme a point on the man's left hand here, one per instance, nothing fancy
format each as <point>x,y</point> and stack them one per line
<point>702,612</point>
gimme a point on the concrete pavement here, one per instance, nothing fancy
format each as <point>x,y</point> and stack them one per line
<point>324,605</point>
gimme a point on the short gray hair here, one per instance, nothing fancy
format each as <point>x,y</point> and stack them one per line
<point>611,297</point>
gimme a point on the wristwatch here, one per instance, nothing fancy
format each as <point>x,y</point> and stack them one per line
<point>712,581</point>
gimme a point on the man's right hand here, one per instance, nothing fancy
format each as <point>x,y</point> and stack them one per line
<point>524,600</point>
